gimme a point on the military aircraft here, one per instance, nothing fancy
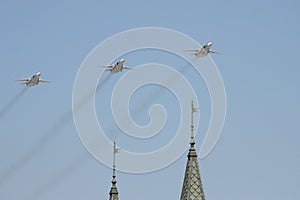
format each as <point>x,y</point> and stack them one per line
<point>203,51</point>
<point>117,67</point>
<point>34,80</point>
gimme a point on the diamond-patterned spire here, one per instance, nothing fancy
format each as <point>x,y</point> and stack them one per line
<point>192,187</point>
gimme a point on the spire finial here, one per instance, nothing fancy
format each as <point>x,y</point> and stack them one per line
<point>114,160</point>
<point>115,151</point>
<point>193,110</point>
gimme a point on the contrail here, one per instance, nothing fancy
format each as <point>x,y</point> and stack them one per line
<point>48,136</point>
<point>150,98</point>
<point>35,149</point>
<point>59,176</point>
<point>90,95</point>
<point>12,102</point>
<point>78,161</point>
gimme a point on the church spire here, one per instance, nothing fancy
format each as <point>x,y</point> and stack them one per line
<point>114,194</point>
<point>192,187</point>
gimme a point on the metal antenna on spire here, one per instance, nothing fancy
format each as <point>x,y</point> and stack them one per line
<point>193,110</point>
<point>114,191</point>
<point>115,151</point>
<point>114,160</point>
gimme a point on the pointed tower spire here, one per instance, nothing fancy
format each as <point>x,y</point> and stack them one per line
<point>192,186</point>
<point>114,194</point>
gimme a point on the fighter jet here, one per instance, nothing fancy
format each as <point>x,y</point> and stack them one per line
<point>117,67</point>
<point>34,80</point>
<point>203,51</point>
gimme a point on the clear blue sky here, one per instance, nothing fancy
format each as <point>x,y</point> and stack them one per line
<point>257,156</point>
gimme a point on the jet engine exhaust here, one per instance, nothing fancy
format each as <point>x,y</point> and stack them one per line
<point>12,102</point>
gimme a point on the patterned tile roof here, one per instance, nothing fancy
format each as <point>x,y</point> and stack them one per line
<point>192,186</point>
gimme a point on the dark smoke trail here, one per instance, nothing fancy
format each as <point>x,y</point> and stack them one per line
<point>59,176</point>
<point>12,102</point>
<point>78,161</point>
<point>150,98</point>
<point>49,135</point>
<point>90,95</point>
<point>102,83</point>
